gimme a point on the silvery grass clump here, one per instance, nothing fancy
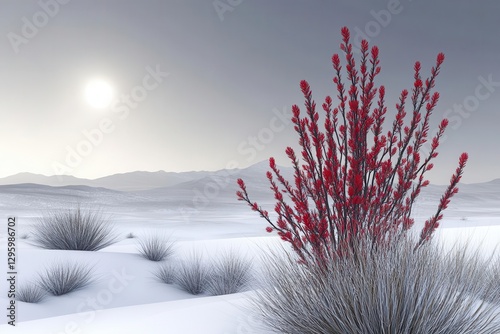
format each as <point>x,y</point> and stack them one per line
<point>395,290</point>
<point>230,273</point>
<point>156,247</point>
<point>192,274</point>
<point>75,229</point>
<point>130,235</point>
<point>62,278</point>
<point>24,236</point>
<point>30,293</point>
<point>166,273</point>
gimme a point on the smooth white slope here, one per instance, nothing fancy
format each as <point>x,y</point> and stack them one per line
<point>208,315</point>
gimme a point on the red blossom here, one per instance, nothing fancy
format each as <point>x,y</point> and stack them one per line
<point>440,58</point>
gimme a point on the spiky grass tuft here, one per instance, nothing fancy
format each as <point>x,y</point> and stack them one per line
<point>231,273</point>
<point>192,275</point>
<point>156,247</point>
<point>24,236</point>
<point>30,293</point>
<point>166,273</point>
<point>74,230</point>
<point>63,278</point>
<point>394,290</point>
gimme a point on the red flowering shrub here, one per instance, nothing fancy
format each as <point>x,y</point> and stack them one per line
<point>355,179</point>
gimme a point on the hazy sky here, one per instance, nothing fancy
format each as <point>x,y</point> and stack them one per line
<point>202,85</point>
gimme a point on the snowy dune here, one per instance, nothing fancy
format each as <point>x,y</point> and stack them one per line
<point>201,214</point>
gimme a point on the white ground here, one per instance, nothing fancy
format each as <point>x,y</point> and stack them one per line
<point>128,299</point>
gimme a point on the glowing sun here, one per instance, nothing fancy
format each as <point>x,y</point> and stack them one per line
<point>99,93</point>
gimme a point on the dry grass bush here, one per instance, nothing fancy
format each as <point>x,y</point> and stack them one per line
<point>156,247</point>
<point>63,278</point>
<point>30,293</point>
<point>192,274</point>
<point>166,273</point>
<point>230,273</point>
<point>395,290</point>
<point>76,229</point>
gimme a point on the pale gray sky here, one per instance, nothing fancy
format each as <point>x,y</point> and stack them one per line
<point>234,68</point>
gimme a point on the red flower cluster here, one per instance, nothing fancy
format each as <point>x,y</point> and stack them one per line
<point>355,179</point>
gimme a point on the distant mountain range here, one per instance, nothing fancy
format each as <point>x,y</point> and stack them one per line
<point>144,181</point>
<point>195,193</point>
<point>134,181</point>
